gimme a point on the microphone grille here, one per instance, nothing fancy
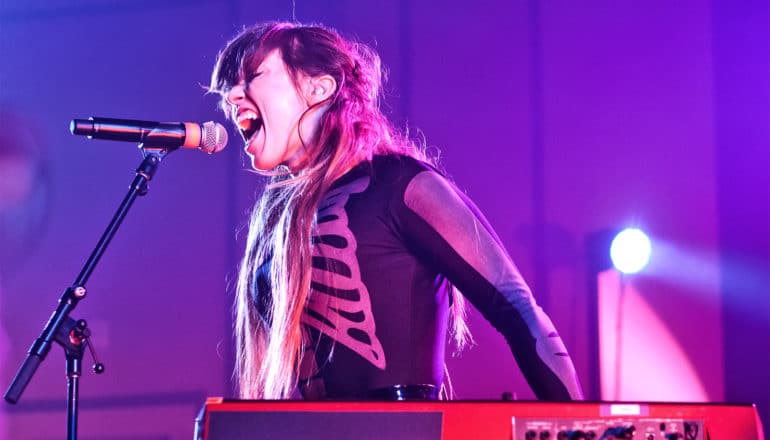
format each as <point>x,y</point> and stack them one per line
<point>213,137</point>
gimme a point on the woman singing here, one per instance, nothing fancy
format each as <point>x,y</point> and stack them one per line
<point>356,246</point>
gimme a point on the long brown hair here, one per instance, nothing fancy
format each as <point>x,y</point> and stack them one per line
<point>353,129</point>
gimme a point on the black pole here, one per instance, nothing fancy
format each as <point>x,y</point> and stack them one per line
<point>138,187</point>
<point>74,368</point>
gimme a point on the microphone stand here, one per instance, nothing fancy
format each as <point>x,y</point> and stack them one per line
<point>73,334</point>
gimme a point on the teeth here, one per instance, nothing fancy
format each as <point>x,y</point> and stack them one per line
<point>245,120</point>
<point>248,114</point>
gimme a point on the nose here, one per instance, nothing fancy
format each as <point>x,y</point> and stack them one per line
<point>235,95</point>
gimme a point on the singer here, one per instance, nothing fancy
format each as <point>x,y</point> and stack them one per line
<point>360,253</point>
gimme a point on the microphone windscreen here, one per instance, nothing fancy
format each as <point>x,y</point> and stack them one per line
<point>213,137</point>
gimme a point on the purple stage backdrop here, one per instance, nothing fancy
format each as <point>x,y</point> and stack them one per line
<point>560,119</point>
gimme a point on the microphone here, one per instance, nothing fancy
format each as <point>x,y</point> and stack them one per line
<point>210,137</point>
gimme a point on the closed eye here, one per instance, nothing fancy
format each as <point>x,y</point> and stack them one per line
<point>251,77</point>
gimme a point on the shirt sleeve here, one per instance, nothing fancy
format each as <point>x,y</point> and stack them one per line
<point>446,229</point>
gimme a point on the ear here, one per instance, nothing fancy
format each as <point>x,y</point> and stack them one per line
<point>319,88</point>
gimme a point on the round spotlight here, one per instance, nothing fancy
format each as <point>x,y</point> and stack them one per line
<point>630,251</point>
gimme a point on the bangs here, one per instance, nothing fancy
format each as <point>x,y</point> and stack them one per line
<point>229,67</point>
<point>244,54</point>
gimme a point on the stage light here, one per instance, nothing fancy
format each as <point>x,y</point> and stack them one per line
<point>630,250</point>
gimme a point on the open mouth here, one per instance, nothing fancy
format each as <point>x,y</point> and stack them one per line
<point>249,123</point>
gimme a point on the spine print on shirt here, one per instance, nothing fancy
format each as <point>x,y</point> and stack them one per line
<point>339,305</point>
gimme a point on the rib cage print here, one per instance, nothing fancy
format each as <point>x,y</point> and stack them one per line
<point>339,304</point>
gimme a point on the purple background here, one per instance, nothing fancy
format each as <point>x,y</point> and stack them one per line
<point>560,119</point>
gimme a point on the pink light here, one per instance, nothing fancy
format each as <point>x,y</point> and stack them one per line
<point>652,364</point>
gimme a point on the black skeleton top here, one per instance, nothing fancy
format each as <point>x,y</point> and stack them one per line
<point>389,234</point>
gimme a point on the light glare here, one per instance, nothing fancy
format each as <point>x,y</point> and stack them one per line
<point>630,251</point>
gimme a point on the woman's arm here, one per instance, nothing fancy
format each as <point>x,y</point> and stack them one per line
<point>446,229</point>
